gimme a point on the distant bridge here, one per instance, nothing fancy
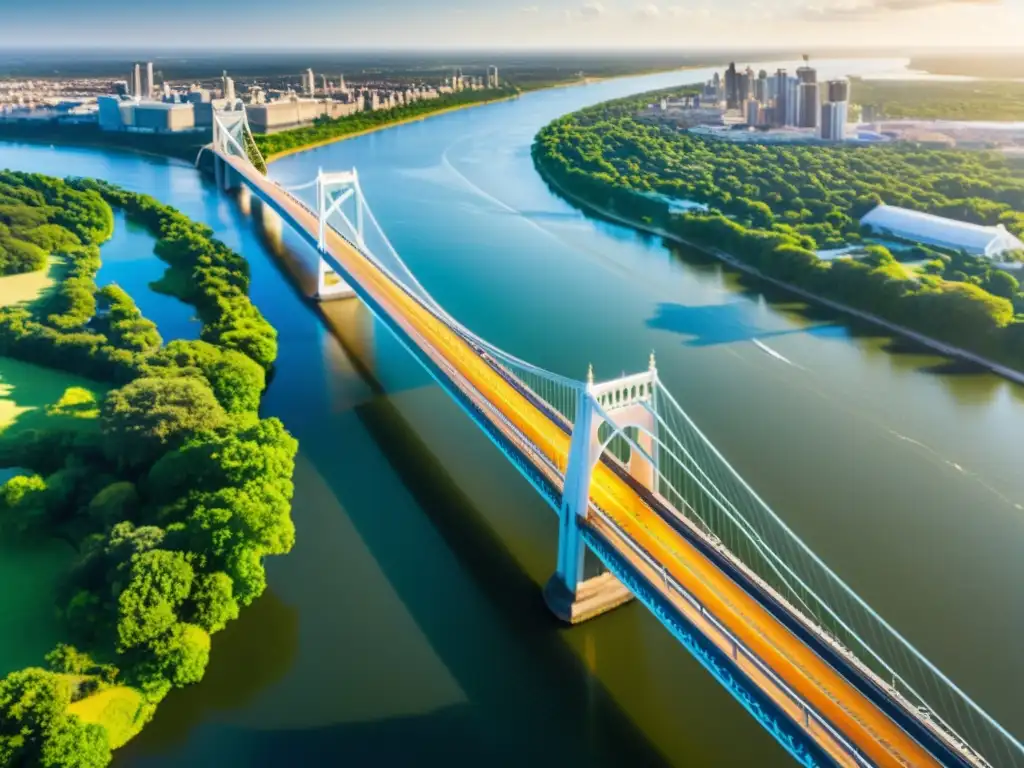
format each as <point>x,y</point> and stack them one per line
<point>633,479</point>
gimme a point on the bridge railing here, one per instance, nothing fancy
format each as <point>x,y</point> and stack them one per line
<point>741,654</point>
<point>696,481</point>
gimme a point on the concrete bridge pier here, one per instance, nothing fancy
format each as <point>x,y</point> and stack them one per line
<point>329,284</point>
<point>570,596</point>
<point>227,178</point>
<point>244,198</point>
<point>268,219</point>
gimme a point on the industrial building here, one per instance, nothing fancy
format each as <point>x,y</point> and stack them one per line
<point>928,229</point>
<point>164,117</point>
<point>119,114</point>
<point>289,113</point>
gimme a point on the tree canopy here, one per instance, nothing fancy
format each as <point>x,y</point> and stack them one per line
<point>173,503</point>
<point>774,206</point>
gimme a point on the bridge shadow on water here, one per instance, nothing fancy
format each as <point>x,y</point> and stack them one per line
<point>712,324</point>
<point>552,710</point>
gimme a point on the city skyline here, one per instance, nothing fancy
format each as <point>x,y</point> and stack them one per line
<point>565,24</point>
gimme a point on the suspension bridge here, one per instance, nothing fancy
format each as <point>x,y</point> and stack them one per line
<point>634,480</point>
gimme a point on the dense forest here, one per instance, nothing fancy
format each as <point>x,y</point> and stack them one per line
<point>33,223</point>
<point>774,206</point>
<point>172,499</point>
<point>325,129</point>
<point>937,100</point>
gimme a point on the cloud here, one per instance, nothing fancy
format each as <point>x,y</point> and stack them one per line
<point>530,9</point>
<point>686,12</point>
<point>867,9</point>
<point>649,11</point>
<point>591,10</point>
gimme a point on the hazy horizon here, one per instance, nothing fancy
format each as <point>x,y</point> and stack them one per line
<point>556,24</point>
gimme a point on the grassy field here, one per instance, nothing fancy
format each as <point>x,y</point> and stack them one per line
<point>30,572</point>
<point>31,395</point>
<point>27,287</point>
<point>120,709</point>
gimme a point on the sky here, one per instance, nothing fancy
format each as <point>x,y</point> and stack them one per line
<point>477,24</point>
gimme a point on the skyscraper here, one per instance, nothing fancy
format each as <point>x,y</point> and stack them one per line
<point>807,73</point>
<point>744,85</point>
<point>809,109</point>
<point>149,89</point>
<point>731,87</point>
<point>753,111</point>
<point>836,111</point>
<point>492,77</point>
<point>309,83</point>
<point>779,83</point>
<point>137,81</point>
<point>760,86</point>
<point>838,90</point>
<point>792,101</point>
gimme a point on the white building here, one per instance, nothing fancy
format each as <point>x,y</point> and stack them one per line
<point>928,229</point>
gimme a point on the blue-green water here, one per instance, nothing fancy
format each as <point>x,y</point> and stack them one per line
<point>407,627</point>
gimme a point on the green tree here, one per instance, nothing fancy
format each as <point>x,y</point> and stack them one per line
<point>1001,283</point>
<point>160,582</point>
<point>214,602</point>
<point>23,503</point>
<point>147,416</point>
<point>35,728</point>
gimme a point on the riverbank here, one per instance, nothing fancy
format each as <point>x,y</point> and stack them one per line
<point>458,107</point>
<point>919,338</point>
<point>373,129</point>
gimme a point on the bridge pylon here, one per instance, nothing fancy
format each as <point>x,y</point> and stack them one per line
<point>612,407</point>
<point>333,191</point>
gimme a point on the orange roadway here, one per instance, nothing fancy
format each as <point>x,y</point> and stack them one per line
<point>862,723</point>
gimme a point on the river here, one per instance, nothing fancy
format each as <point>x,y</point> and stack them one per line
<point>407,627</point>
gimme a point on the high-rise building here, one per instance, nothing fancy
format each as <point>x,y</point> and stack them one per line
<point>137,81</point>
<point>731,87</point>
<point>835,112</point>
<point>838,90</point>
<point>834,115</point>
<point>753,112</point>
<point>792,100</point>
<point>809,109</point>
<point>761,87</point>
<point>341,84</point>
<point>121,88</point>
<point>781,94</point>
<point>167,91</point>
<point>149,88</point>
<point>309,83</point>
<point>326,85</point>
<point>744,86</point>
<point>807,74</point>
<point>492,77</point>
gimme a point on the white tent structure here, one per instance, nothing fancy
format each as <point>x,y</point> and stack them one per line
<point>928,229</point>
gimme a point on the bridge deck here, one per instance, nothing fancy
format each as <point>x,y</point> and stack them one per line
<point>880,739</point>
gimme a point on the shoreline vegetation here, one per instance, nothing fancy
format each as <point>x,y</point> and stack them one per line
<point>490,96</point>
<point>766,214</point>
<point>356,132</point>
<point>164,479</point>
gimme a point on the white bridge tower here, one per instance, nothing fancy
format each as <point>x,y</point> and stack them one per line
<point>621,405</point>
<point>338,194</point>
